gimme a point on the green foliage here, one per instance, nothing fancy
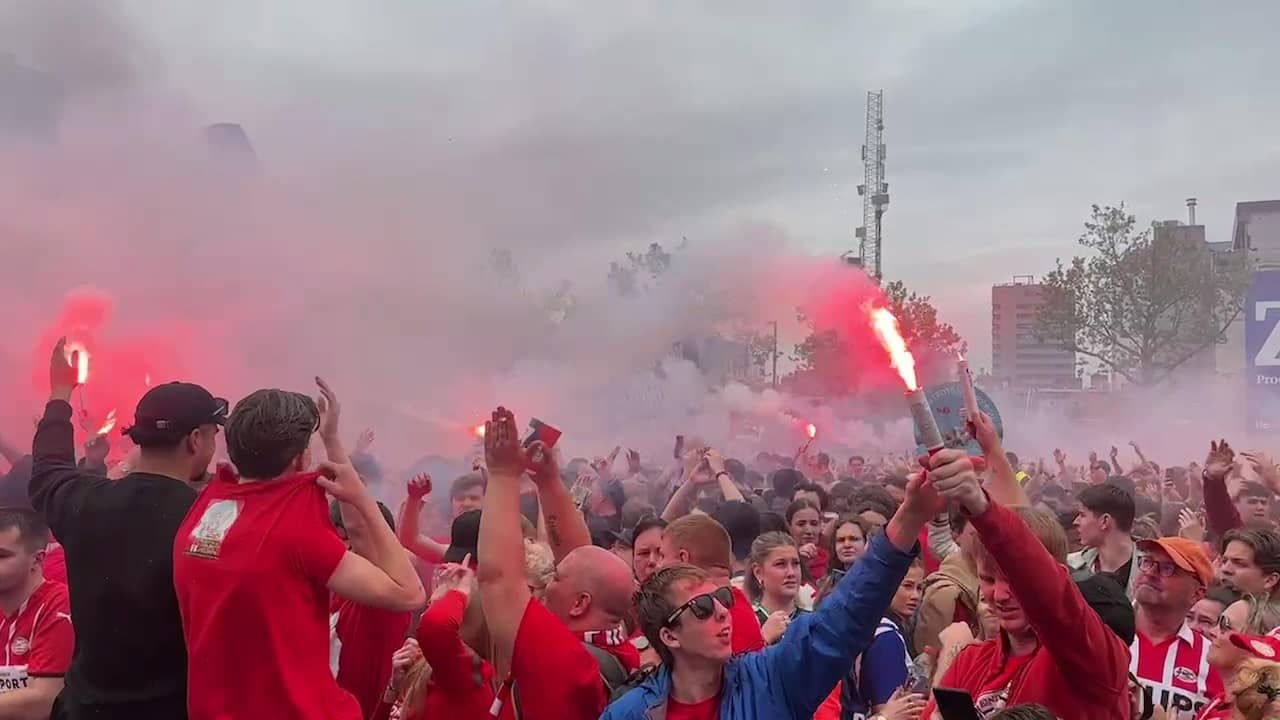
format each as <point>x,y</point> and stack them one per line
<point>1142,306</point>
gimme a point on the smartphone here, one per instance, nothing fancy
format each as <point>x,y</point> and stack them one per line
<point>955,704</point>
<point>540,431</point>
<point>679,451</point>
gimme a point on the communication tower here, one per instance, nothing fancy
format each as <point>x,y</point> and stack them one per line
<point>874,190</point>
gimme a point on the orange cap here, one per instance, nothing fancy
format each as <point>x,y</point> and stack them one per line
<point>1186,554</point>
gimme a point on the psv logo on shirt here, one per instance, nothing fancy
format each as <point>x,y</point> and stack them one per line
<point>209,534</point>
<point>19,646</point>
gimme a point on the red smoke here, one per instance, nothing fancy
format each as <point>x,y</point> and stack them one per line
<point>120,367</point>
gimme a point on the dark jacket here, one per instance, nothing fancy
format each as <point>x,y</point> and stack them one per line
<point>130,659</point>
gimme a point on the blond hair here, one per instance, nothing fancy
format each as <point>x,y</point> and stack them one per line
<point>1256,689</point>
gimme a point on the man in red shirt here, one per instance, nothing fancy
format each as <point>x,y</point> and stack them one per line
<point>555,675</point>
<point>1053,649</point>
<point>36,623</point>
<point>363,637</point>
<point>1170,660</point>
<point>700,541</point>
<point>257,556</point>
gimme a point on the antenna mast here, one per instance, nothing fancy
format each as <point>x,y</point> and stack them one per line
<point>874,190</point>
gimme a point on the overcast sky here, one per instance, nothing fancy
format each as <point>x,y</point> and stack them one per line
<point>613,124</point>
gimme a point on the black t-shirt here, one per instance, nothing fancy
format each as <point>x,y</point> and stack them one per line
<point>130,658</point>
<point>1122,573</point>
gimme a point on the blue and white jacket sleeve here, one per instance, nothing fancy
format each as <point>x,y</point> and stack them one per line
<point>818,648</point>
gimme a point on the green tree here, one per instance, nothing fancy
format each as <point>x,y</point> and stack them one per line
<point>1141,306</point>
<point>918,320</point>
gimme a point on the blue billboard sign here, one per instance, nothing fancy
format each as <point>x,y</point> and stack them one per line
<point>1262,351</point>
<point>947,403</point>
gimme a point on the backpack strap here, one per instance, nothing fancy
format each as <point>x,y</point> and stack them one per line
<point>612,673</point>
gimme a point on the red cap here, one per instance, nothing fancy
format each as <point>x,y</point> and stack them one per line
<point>1260,646</point>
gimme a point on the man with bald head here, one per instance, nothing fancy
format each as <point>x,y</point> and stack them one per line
<point>555,675</point>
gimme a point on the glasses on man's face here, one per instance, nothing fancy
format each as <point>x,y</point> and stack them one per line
<point>702,606</point>
<point>1163,569</point>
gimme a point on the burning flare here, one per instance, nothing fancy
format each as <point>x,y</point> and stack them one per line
<point>811,430</point>
<point>78,354</point>
<point>478,431</point>
<point>110,423</point>
<point>886,327</point>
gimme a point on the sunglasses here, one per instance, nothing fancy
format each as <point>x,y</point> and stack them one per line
<point>1224,625</point>
<point>702,606</point>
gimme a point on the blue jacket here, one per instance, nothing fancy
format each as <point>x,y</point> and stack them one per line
<point>793,677</point>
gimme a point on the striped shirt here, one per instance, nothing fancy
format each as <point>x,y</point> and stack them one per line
<point>1175,674</point>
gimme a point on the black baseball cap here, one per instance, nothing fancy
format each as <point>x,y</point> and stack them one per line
<point>170,411</point>
<point>464,537</point>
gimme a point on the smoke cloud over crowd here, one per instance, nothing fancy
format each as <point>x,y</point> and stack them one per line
<point>359,248</point>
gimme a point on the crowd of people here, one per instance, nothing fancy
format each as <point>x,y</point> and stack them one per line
<point>268,583</point>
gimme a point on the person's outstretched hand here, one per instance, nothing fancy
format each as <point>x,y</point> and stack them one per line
<point>330,410</point>
<point>420,486</point>
<point>503,454</point>
<point>1220,460</point>
<point>63,377</point>
<point>951,475</point>
<point>341,481</point>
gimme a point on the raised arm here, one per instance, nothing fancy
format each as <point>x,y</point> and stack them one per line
<point>723,478</point>
<point>9,452</point>
<point>1082,646</point>
<point>452,662</point>
<point>407,525</point>
<point>385,578</point>
<point>819,647</point>
<point>941,544</point>
<point>565,525</point>
<point>1220,513</point>
<point>1002,482</point>
<point>58,487</point>
<point>503,587</point>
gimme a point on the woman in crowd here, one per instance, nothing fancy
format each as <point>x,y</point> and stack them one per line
<point>1241,636</point>
<point>440,673</point>
<point>804,521</point>
<point>1251,677</point>
<point>886,664</point>
<point>773,583</point>
<point>848,541</point>
<point>1205,614</point>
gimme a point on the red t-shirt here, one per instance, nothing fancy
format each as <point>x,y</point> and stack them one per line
<point>38,639</point>
<point>708,709</point>
<point>995,694</point>
<point>55,563</point>
<point>556,677</point>
<point>366,638</point>
<point>462,685</point>
<point>745,633</point>
<point>251,563</point>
